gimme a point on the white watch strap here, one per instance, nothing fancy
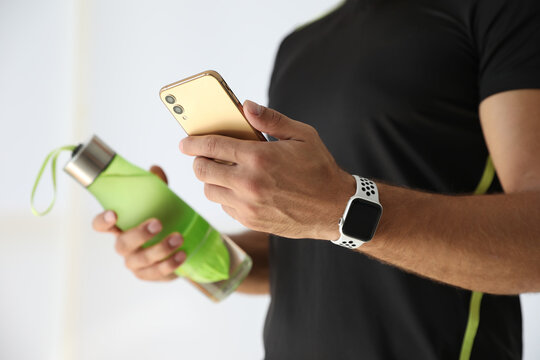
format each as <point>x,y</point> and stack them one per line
<point>367,190</point>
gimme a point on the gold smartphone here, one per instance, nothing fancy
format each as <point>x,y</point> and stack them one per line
<point>203,104</point>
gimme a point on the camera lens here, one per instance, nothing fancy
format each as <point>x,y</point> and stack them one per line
<point>170,99</point>
<point>178,109</point>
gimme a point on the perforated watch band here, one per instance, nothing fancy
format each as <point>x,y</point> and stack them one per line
<point>367,190</point>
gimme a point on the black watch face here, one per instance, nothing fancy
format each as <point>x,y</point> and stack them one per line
<point>362,219</point>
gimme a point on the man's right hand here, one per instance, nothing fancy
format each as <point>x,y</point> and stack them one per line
<point>156,263</point>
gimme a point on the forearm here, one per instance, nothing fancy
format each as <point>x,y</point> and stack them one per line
<point>255,244</point>
<point>489,243</point>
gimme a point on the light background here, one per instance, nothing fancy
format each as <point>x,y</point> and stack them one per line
<point>70,69</point>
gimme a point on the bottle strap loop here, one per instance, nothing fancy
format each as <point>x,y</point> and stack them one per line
<point>53,156</point>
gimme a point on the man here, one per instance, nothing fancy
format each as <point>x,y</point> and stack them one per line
<point>418,96</point>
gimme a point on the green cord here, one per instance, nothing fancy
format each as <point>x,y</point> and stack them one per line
<point>476,296</point>
<point>487,178</point>
<point>54,156</point>
<point>472,325</point>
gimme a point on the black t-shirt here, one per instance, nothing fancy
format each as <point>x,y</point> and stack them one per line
<point>393,87</point>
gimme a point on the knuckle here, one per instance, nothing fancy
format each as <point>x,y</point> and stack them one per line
<point>255,188</point>
<point>228,211</point>
<point>252,216</point>
<point>208,192</point>
<point>250,223</point>
<point>246,221</point>
<point>259,158</point>
<point>139,275</point>
<point>166,267</point>
<point>163,250</point>
<point>199,168</point>
<point>136,261</point>
<point>245,185</point>
<point>251,212</point>
<point>275,118</point>
<point>211,144</point>
<point>128,263</point>
<point>256,191</point>
<point>142,259</point>
<point>120,246</point>
<point>311,131</point>
<point>231,212</point>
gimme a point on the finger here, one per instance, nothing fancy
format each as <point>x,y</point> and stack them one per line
<point>145,257</point>
<point>106,222</point>
<point>274,123</point>
<point>164,270</point>
<point>214,147</point>
<point>156,170</point>
<point>219,194</point>
<point>212,172</point>
<point>134,238</point>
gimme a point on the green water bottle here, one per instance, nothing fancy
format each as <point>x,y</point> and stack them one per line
<point>214,263</point>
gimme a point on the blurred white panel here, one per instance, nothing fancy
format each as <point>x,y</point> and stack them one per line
<point>35,114</point>
<point>31,288</point>
<point>530,305</point>
<point>35,93</point>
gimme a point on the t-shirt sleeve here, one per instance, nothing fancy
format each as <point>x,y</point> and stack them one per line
<point>507,37</point>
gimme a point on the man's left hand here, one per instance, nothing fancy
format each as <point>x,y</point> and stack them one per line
<point>291,187</point>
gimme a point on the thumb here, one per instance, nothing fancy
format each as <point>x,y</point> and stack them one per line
<point>274,123</point>
<point>156,170</point>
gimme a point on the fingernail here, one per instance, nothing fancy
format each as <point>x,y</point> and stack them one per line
<point>154,227</point>
<point>175,240</point>
<point>179,256</point>
<point>109,217</point>
<point>253,107</point>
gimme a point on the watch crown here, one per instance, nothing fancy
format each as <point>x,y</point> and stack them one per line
<point>340,221</point>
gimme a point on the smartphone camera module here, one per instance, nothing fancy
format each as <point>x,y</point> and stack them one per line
<point>178,109</point>
<point>170,99</point>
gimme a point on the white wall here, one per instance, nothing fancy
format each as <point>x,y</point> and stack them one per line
<point>71,69</point>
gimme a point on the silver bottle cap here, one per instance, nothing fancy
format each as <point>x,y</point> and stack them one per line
<point>89,160</point>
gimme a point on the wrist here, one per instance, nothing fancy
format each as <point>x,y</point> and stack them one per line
<point>346,188</point>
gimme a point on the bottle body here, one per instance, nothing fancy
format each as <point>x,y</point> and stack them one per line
<point>239,266</point>
<point>214,263</point>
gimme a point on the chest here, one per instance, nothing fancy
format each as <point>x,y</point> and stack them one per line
<point>379,57</point>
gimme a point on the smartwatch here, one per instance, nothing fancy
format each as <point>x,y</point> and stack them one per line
<point>361,217</point>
